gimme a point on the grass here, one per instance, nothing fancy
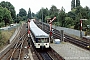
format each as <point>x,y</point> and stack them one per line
<point>6,34</point>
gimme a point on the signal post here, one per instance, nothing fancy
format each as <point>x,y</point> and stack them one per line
<point>28,33</point>
<point>50,24</point>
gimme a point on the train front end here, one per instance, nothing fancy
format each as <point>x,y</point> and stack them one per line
<point>42,42</point>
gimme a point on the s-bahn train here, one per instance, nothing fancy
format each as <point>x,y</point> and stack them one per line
<point>38,36</point>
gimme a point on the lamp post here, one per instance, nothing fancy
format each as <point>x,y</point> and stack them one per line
<point>81,27</point>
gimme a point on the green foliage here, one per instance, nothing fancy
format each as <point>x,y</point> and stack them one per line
<point>5,15</point>
<point>72,14</point>
<point>0,38</point>
<point>62,16</point>
<point>68,22</point>
<point>33,15</point>
<point>22,12</point>
<point>1,13</point>
<point>29,14</point>
<point>22,15</point>
<point>77,26</point>
<point>42,14</point>
<point>72,4</point>
<point>2,24</point>
<point>10,7</point>
<point>77,3</point>
<point>18,19</point>
<point>72,18</point>
<point>88,14</point>
<point>47,18</point>
<point>57,24</point>
<point>45,12</point>
<point>53,11</point>
<point>0,35</point>
<point>24,18</point>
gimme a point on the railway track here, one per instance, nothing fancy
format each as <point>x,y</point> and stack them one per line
<point>45,56</point>
<point>50,54</point>
<point>77,42</point>
<point>15,50</point>
<point>56,35</point>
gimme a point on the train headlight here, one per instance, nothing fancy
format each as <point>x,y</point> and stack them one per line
<point>38,44</point>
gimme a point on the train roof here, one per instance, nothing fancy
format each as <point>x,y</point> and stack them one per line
<point>32,24</point>
<point>38,33</point>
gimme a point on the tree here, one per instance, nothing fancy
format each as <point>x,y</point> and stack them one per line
<point>18,19</point>
<point>45,13</point>
<point>10,7</point>
<point>62,16</point>
<point>66,19</point>
<point>72,4</point>
<point>89,14</point>
<point>22,12</point>
<point>53,11</point>
<point>39,14</point>
<point>68,22</point>
<point>0,38</point>
<point>5,15</point>
<point>42,14</point>
<point>1,16</point>
<point>1,13</point>
<point>87,10</point>
<point>47,18</point>
<point>29,14</point>
<point>33,15</point>
<point>77,3</point>
<point>77,25</point>
<point>72,14</point>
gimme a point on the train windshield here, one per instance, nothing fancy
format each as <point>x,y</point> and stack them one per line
<point>43,40</point>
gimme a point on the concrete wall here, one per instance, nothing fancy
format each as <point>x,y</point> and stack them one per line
<point>70,31</point>
<point>14,34</point>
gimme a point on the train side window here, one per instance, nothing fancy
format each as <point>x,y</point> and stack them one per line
<point>39,40</point>
<point>36,40</point>
<point>47,40</point>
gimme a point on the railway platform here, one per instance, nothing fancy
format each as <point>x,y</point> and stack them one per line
<point>70,52</point>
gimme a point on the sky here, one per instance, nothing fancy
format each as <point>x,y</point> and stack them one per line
<point>36,5</point>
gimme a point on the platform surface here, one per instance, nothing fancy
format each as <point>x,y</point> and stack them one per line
<point>71,52</point>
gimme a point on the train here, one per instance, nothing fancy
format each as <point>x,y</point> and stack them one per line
<point>38,36</point>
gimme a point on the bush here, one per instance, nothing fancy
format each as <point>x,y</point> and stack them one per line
<point>57,24</point>
<point>0,35</point>
<point>0,38</point>
<point>5,36</point>
<point>2,24</point>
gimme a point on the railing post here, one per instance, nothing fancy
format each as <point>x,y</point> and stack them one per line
<point>62,35</point>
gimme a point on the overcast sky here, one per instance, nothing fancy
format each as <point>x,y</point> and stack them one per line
<point>36,5</point>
